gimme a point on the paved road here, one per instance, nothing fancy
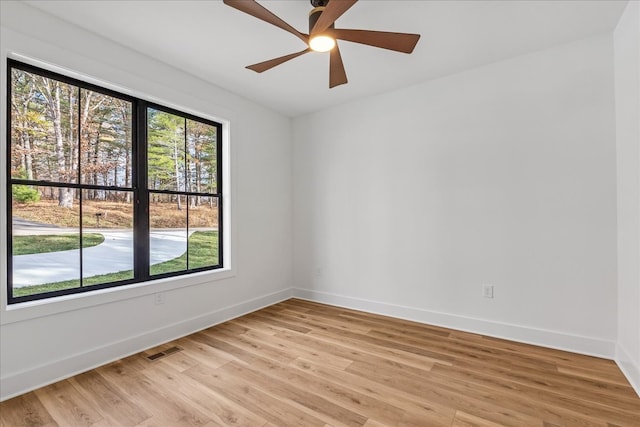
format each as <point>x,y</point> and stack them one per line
<point>113,255</point>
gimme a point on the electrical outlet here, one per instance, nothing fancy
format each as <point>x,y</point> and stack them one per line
<point>487,291</point>
<point>158,298</point>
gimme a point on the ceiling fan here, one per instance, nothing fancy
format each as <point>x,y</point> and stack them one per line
<point>322,35</point>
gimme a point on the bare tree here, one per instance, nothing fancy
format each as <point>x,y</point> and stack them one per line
<point>50,89</point>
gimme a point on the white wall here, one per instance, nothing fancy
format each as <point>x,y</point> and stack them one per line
<point>43,342</point>
<point>406,202</point>
<point>627,90</point>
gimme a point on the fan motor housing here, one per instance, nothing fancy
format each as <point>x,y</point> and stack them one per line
<point>314,14</point>
<point>319,3</point>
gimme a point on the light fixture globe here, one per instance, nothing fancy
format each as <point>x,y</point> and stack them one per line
<point>322,43</point>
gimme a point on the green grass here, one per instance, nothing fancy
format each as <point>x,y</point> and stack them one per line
<point>203,252</point>
<point>202,244</point>
<point>70,284</point>
<point>35,244</point>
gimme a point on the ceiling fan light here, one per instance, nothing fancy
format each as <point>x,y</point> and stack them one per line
<point>322,43</point>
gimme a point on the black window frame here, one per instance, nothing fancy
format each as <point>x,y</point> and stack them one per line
<point>140,188</point>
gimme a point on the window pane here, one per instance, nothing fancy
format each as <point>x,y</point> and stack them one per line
<point>203,228</point>
<point>201,157</point>
<point>44,129</point>
<point>107,236</point>
<point>45,241</point>
<point>105,140</point>
<point>165,151</point>
<point>168,233</point>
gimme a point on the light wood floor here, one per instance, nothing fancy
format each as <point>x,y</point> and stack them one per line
<point>305,364</point>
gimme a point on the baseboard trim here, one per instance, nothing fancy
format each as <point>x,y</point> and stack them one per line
<point>630,369</point>
<point>40,376</point>
<point>545,338</point>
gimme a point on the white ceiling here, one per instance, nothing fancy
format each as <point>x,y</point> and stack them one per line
<point>215,42</point>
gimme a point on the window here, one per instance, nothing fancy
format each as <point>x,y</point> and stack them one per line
<point>105,189</point>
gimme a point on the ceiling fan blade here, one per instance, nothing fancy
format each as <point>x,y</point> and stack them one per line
<point>256,10</point>
<point>266,65</point>
<point>332,11</point>
<point>400,42</point>
<point>337,74</point>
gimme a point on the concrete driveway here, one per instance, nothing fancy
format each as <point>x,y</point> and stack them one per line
<point>113,255</point>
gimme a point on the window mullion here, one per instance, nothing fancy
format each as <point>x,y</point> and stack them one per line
<point>79,178</point>
<point>219,192</point>
<point>141,193</point>
<point>187,187</point>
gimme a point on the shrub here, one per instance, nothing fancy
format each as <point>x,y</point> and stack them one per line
<point>25,194</point>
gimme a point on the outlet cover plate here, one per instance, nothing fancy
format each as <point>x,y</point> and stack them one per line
<point>487,291</point>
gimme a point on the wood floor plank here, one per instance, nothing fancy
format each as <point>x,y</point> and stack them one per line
<point>547,406</point>
<point>110,401</point>
<point>463,419</point>
<point>260,315</point>
<point>298,350</point>
<point>593,374</point>
<point>265,405</point>
<point>320,387</point>
<point>334,391</point>
<point>387,354</point>
<point>486,354</point>
<point>200,353</point>
<point>151,397</point>
<point>271,351</point>
<point>548,354</point>
<point>25,411</point>
<point>443,394</point>
<point>428,412</point>
<point>290,392</point>
<point>548,386</point>
<point>256,325</point>
<point>300,363</point>
<point>557,381</point>
<point>321,318</point>
<point>221,411</point>
<point>346,334</point>
<point>63,401</point>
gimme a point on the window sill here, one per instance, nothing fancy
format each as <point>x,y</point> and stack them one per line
<point>33,309</point>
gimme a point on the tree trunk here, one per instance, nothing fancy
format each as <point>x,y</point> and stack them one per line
<point>74,152</point>
<point>65,195</point>
<point>28,158</point>
<point>85,132</point>
<point>96,152</point>
<point>175,154</point>
<point>127,152</point>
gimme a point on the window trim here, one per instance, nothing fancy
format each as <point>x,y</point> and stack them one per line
<point>140,191</point>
